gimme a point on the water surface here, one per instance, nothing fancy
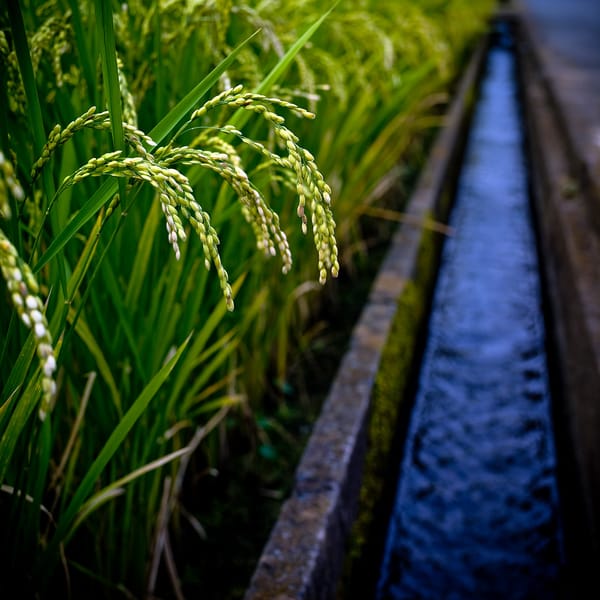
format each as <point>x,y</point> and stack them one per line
<point>476,512</point>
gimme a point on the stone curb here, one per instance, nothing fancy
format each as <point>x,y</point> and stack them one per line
<point>304,555</point>
<point>570,246</point>
<point>563,83</point>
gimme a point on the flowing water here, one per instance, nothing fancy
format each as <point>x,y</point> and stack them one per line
<point>476,511</point>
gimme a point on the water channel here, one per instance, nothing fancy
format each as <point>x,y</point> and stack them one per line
<point>476,513</point>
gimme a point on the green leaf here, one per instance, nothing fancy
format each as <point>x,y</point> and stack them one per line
<point>161,131</point>
<point>142,261</point>
<point>82,48</point>
<point>241,116</point>
<point>110,71</point>
<point>289,56</point>
<point>25,405</point>
<point>186,372</point>
<point>172,121</point>
<point>86,336</point>
<point>34,110</point>
<point>64,527</point>
<point>115,488</point>
<point>106,34</point>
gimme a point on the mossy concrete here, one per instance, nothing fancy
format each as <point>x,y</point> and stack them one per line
<point>392,383</point>
<point>305,554</point>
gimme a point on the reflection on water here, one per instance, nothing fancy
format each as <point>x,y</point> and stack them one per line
<point>476,512</point>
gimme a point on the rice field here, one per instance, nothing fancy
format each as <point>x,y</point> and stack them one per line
<point>180,182</point>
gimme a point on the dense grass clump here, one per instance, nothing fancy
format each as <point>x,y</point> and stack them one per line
<point>155,158</point>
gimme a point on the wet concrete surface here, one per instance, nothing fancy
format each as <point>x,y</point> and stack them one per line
<point>476,513</point>
<point>567,35</point>
<point>571,28</point>
<point>559,51</point>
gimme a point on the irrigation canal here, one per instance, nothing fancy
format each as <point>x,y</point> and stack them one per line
<point>476,513</point>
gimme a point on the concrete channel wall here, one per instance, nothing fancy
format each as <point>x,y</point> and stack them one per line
<point>306,552</point>
<point>566,204</point>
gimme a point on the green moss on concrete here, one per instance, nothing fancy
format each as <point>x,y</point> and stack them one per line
<point>390,396</point>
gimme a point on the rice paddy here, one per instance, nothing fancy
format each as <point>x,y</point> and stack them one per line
<point>180,181</point>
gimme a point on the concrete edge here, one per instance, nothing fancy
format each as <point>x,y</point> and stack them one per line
<point>571,249</point>
<point>304,556</point>
<point>584,173</point>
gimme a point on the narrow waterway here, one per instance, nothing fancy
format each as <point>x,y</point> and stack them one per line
<point>476,510</point>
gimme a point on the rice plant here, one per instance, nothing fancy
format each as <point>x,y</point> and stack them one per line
<point>160,165</point>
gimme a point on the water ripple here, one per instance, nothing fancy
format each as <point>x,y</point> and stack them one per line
<point>476,507</point>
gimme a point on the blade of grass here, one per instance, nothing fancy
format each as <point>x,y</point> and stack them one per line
<point>241,116</point>
<point>34,110</point>
<point>170,123</point>
<point>285,61</point>
<point>67,519</point>
<point>185,373</point>
<point>16,379</point>
<point>159,133</point>
<point>116,487</point>
<point>84,54</point>
<point>106,35</point>
<point>75,430</point>
<point>112,286</point>
<point>23,409</point>
<point>204,375</point>
<point>87,337</point>
<point>39,475</point>
<point>85,258</point>
<point>141,263</point>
